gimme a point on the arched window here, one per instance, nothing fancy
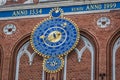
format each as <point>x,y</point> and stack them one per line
<point>1,58</point>
<point>28,65</point>
<point>116,60</point>
<point>80,64</point>
<point>113,56</point>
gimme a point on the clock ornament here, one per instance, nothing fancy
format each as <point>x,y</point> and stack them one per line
<point>56,13</point>
<point>53,64</point>
<point>53,38</point>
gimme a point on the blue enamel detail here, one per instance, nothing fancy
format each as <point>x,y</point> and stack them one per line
<point>53,63</point>
<point>56,14</point>
<point>47,48</point>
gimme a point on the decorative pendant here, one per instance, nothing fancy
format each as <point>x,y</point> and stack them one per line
<point>53,64</point>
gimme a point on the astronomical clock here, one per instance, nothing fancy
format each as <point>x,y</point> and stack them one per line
<point>54,38</point>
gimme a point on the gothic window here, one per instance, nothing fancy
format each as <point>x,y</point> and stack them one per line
<point>28,64</point>
<point>80,63</point>
<point>116,60</point>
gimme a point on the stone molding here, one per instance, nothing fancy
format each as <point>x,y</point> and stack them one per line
<point>52,4</point>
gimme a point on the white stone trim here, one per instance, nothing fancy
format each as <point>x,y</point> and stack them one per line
<point>115,48</point>
<point>65,68</point>
<point>90,47</point>
<point>28,2</point>
<point>15,0</point>
<point>80,53</point>
<point>43,74</point>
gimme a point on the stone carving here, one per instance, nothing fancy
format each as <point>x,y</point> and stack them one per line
<point>115,48</point>
<point>28,2</point>
<point>103,22</point>
<point>9,29</point>
<point>79,53</point>
<point>2,2</point>
<point>88,46</point>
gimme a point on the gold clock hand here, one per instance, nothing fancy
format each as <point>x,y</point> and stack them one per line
<point>42,37</point>
<point>54,35</point>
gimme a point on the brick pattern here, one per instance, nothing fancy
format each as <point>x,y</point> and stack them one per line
<point>54,76</point>
<point>117,64</point>
<point>86,22</point>
<point>79,70</point>
<point>33,72</point>
<point>0,61</point>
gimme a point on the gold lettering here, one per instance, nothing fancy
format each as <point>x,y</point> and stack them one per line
<point>14,13</point>
<point>40,11</point>
<point>94,7</point>
<point>77,9</point>
<point>109,5</point>
<point>31,12</point>
<point>19,13</point>
<point>35,11</point>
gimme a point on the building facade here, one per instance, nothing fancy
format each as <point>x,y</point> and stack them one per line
<point>96,56</point>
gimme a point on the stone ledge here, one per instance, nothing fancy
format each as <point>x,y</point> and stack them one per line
<point>52,4</point>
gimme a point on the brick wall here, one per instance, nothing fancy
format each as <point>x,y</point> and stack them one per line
<point>85,22</point>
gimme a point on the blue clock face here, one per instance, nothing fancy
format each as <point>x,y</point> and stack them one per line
<point>54,37</point>
<point>53,64</point>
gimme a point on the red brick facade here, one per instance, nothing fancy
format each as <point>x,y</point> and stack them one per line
<point>102,39</point>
